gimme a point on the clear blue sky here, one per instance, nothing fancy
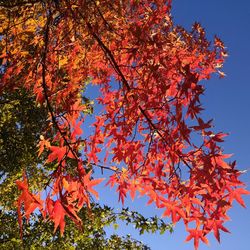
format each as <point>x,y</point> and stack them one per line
<point>228,102</point>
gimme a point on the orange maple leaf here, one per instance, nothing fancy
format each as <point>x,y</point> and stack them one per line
<point>30,201</point>
<point>197,235</point>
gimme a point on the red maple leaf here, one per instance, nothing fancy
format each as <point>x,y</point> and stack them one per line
<point>197,235</point>
<point>29,201</point>
<point>57,214</point>
<point>236,195</point>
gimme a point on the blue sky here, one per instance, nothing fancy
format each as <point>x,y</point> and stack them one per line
<point>227,101</point>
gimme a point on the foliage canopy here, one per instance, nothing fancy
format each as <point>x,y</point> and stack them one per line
<point>150,75</point>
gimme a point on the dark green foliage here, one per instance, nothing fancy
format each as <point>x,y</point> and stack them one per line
<point>38,234</point>
<point>21,124</point>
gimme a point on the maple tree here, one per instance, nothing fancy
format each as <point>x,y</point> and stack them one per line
<point>151,75</point>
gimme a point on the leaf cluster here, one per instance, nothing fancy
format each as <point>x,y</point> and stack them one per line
<point>21,124</point>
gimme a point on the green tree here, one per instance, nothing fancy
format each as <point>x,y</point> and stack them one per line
<point>21,123</point>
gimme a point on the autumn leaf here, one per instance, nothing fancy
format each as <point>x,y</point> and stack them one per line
<point>57,216</point>
<point>56,153</point>
<point>216,225</point>
<point>236,195</point>
<point>29,201</point>
<point>197,235</point>
<point>89,183</point>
